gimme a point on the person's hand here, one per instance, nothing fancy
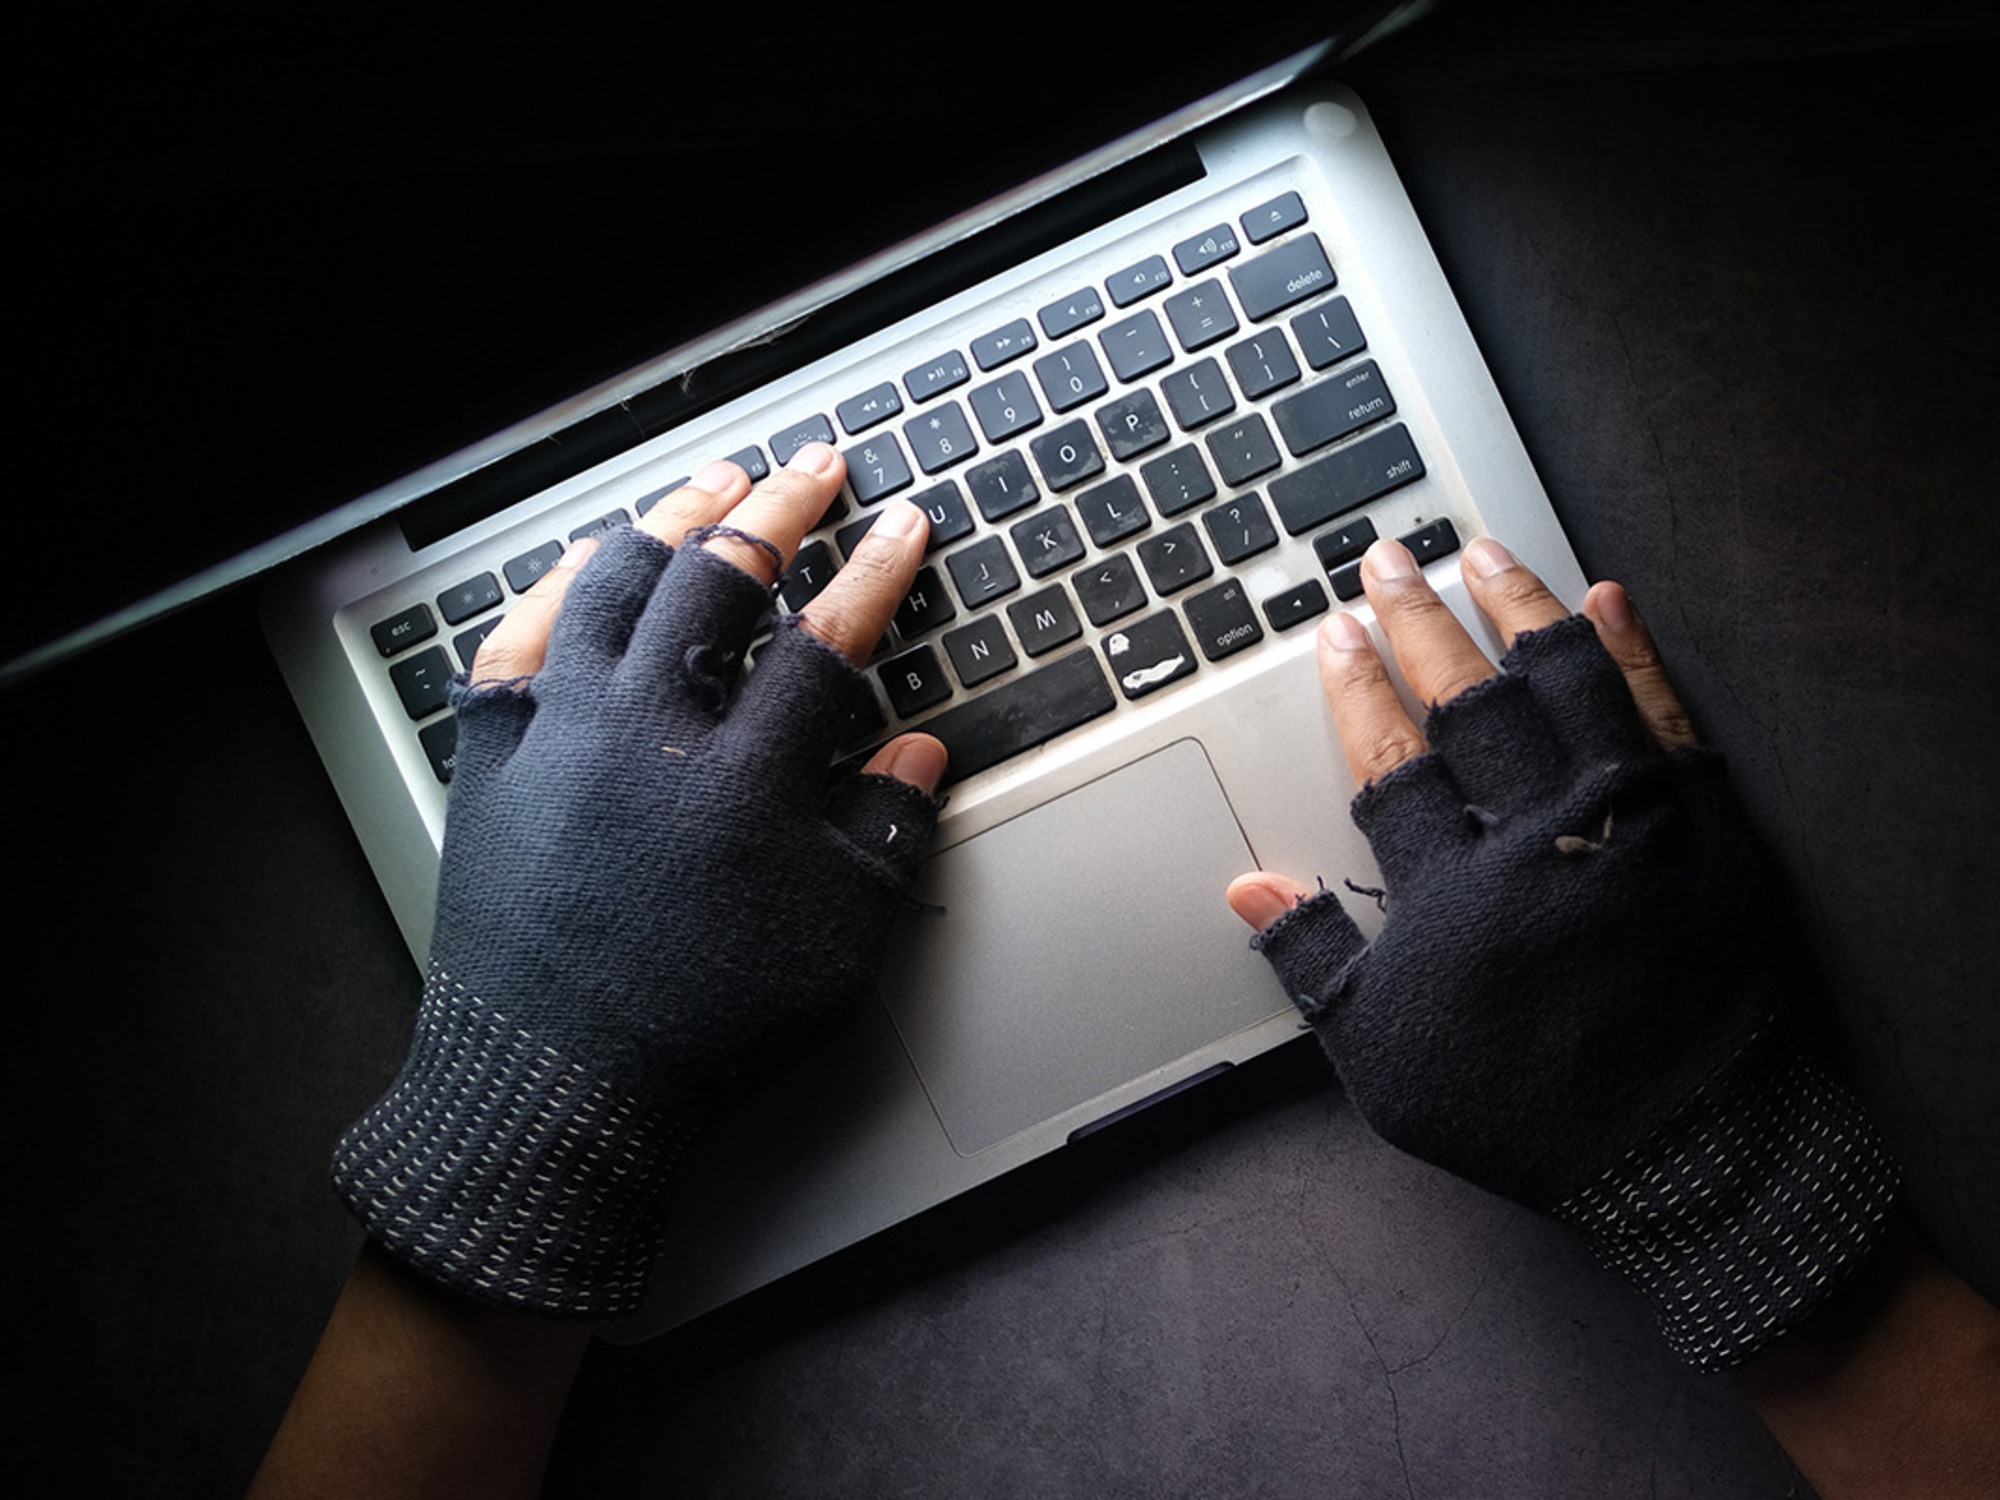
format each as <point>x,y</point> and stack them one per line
<point>1579,994</point>
<point>653,888</point>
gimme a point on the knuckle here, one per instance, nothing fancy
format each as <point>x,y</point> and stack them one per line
<point>1382,748</point>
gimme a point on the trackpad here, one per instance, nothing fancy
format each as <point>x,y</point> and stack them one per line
<point>1078,947</point>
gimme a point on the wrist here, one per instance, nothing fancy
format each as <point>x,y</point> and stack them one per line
<point>1750,1211</point>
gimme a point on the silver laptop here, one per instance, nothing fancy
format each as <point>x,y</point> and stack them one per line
<point>1152,448</point>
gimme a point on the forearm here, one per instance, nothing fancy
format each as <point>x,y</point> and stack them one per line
<point>1892,1389</point>
<point>414,1390</point>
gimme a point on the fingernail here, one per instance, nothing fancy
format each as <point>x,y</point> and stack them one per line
<point>717,476</point>
<point>918,760</point>
<point>1345,633</point>
<point>814,458</point>
<point>898,518</point>
<point>1259,905</point>
<point>1614,607</point>
<point>1390,561</point>
<point>578,554</point>
<point>1488,558</point>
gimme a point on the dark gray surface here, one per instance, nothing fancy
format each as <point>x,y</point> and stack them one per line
<point>1737,289</point>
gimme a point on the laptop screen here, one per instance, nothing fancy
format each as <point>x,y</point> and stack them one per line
<point>269,279</point>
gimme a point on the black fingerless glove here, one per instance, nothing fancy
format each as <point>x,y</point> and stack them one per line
<point>1579,996</point>
<point>647,898</point>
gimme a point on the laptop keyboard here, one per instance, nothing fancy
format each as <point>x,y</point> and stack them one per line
<point>1098,469</point>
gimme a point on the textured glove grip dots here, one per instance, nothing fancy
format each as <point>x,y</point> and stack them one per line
<point>647,898</point>
<point>1578,999</point>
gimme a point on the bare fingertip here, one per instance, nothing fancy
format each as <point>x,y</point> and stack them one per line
<point>1487,558</point>
<point>1260,899</point>
<point>578,554</point>
<point>1610,606</point>
<point>718,477</point>
<point>1345,633</point>
<point>918,759</point>
<point>813,458</point>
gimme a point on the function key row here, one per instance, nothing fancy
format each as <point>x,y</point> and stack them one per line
<point>1080,309</point>
<point>1197,396</point>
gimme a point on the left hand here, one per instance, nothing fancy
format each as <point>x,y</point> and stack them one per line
<point>649,893</point>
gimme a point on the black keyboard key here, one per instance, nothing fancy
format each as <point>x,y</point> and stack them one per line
<point>1019,715</point>
<point>992,350</point>
<point>1148,654</point>
<point>1280,278</point>
<point>1346,582</point>
<point>1333,407</point>
<point>1132,424</point>
<point>1046,541</point>
<point>876,404</point>
<point>1071,313</point>
<point>812,569</point>
<point>1068,455</point>
<point>936,376</point>
<point>522,572</point>
<point>405,628</point>
<point>1344,544</point>
<point>914,681</point>
<point>940,437</point>
<point>876,469</point>
<point>1428,543</point>
<point>1198,395</point>
<point>983,572</point>
<point>1174,559</point>
<point>466,642</point>
<point>440,742</point>
<point>1204,250</point>
<point>1136,346</point>
<point>980,651</point>
<point>1222,620</point>
<point>420,681</point>
<point>1005,406</point>
<point>601,525</point>
<point>1346,478</point>
<point>1044,620</point>
<point>1286,211</point>
<point>751,461</point>
<point>1327,334</point>
<point>1178,480</point>
<point>1112,511</point>
<point>1263,364</point>
<point>1240,528</point>
<point>1071,377</point>
<point>1243,450</point>
<point>1002,485</point>
<point>653,497</point>
<point>1109,589</point>
<point>814,429</point>
<point>1142,280</point>
<point>1201,315</point>
<point>1296,605</point>
<point>950,517</point>
<point>925,607</point>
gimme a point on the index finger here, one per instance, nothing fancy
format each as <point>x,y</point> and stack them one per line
<point>853,610</point>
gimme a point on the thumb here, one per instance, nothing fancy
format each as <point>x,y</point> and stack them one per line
<point>1260,898</point>
<point>915,758</point>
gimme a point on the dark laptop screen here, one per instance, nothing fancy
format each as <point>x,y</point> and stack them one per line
<point>271,272</point>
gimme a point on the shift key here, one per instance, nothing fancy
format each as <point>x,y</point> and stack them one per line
<point>1345,478</point>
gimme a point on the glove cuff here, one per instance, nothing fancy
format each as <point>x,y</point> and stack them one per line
<point>506,1170</point>
<point>1746,1218</point>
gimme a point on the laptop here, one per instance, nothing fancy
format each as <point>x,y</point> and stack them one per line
<point>1155,403</point>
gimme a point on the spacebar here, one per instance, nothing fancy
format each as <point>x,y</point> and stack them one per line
<point>1021,714</point>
